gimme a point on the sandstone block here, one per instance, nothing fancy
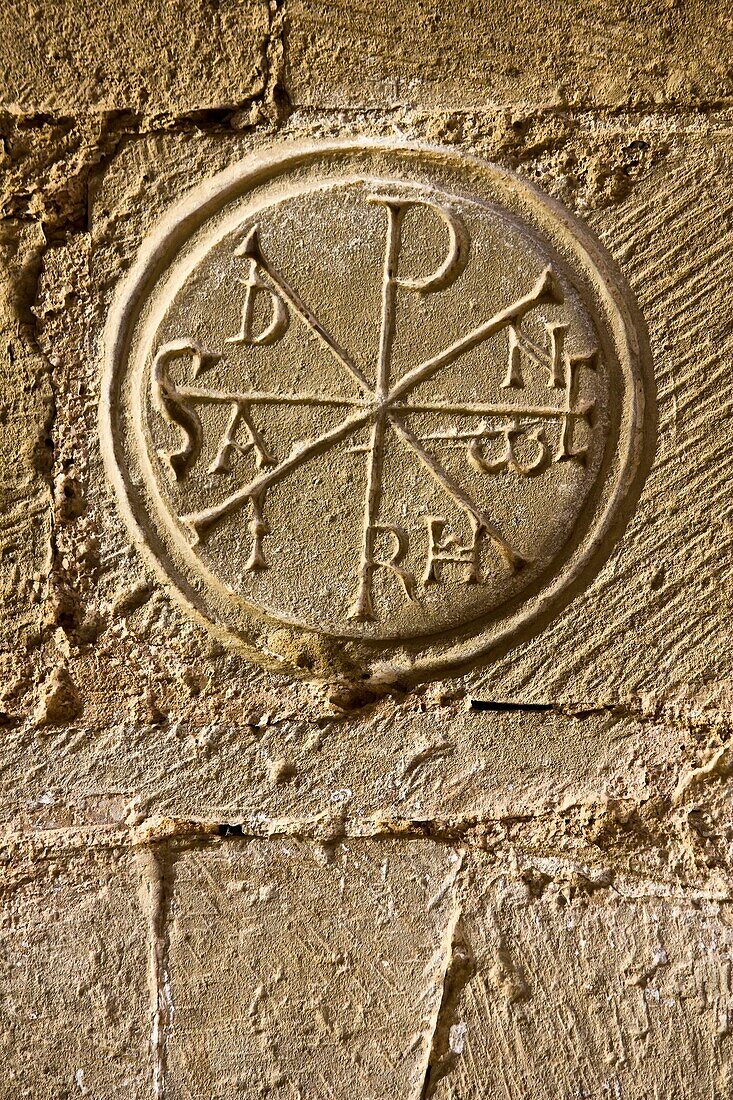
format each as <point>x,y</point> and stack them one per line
<point>427,54</point>
<point>581,990</point>
<point>25,455</point>
<point>290,967</point>
<point>96,58</point>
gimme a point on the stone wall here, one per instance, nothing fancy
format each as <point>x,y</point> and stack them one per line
<point>234,870</point>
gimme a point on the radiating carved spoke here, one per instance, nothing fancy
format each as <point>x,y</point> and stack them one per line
<point>546,290</point>
<point>199,523</point>
<point>456,493</point>
<point>266,397</point>
<point>250,248</point>
<point>475,408</point>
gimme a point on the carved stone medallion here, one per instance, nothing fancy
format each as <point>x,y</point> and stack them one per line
<point>384,395</point>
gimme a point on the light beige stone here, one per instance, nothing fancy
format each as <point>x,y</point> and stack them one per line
<point>163,707</point>
<point>210,860</point>
<point>304,970</point>
<point>427,54</point>
<point>579,990</point>
<point>575,668</point>
<point>383,439</point>
<point>156,60</point>
<point>25,455</point>
<point>667,587</point>
<point>75,1004</point>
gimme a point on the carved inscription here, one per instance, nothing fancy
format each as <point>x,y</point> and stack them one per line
<point>372,408</point>
<point>499,437</point>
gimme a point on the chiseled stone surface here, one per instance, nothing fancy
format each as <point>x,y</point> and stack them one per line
<point>323,974</point>
<point>668,551</point>
<point>489,54</point>
<point>410,434</point>
<point>74,1000</point>
<point>105,57</point>
<point>25,450</point>
<point>667,586</point>
<point>572,990</point>
<point>273,872</point>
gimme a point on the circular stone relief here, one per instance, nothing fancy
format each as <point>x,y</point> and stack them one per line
<point>377,401</point>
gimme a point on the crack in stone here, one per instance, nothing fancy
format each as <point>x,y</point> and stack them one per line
<point>443,1043</point>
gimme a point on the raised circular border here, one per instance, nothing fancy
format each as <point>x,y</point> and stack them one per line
<point>421,658</point>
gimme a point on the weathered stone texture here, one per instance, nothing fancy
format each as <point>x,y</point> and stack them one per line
<point>73,977</point>
<point>165,58</point>
<point>25,450</point>
<point>578,991</point>
<point>667,586</point>
<point>324,972</point>
<point>220,880</point>
<point>430,54</point>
